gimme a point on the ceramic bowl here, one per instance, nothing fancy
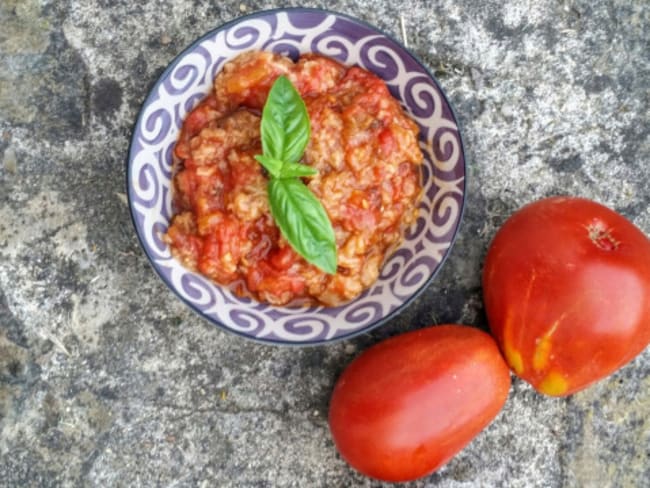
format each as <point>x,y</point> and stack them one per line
<point>291,32</point>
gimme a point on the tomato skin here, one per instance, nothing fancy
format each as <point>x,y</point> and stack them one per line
<point>566,286</point>
<point>407,405</point>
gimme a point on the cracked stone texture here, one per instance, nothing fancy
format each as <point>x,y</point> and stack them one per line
<point>107,380</point>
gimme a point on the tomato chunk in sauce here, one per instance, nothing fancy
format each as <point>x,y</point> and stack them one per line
<point>367,156</point>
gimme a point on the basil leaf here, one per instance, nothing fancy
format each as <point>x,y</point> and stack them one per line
<point>303,222</point>
<point>272,165</point>
<point>296,170</point>
<point>285,132</point>
<point>285,126</point>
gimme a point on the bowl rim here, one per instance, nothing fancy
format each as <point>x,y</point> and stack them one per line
<point>151,90</point>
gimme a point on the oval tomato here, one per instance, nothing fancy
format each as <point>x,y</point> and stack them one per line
<point>405,406</point>
<point>566,286</point>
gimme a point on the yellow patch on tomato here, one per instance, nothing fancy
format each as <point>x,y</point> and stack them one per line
<point>542,352</point>
<point>553,384</point>
<point>513,357</point>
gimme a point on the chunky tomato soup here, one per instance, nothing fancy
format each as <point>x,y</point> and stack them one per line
<point>367,156</point>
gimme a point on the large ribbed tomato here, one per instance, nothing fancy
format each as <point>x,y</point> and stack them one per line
<point>566,285</point>
<point>405,406</point>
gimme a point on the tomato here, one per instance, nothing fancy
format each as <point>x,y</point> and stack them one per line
<point>566,287</point>
<point>407,405</point>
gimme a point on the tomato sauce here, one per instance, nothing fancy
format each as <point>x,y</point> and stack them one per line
<point>367,156</point>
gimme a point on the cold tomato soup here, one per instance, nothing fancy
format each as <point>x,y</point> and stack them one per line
<point>363,145</point>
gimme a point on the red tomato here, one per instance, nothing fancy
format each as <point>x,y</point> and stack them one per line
<point>405,406</point>
<point>566,285</point>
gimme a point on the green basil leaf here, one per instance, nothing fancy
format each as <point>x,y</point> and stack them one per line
<point>296,170</point>
<point>272,165</point>
<point>285,125</point>
<point>303,222</point>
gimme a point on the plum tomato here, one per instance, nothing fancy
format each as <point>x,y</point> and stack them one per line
<point>566,286</point>
<point>408,404</point>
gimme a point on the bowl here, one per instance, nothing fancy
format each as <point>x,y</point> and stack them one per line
<point>294,31</point>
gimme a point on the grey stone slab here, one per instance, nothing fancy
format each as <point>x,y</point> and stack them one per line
<point>106,379</point>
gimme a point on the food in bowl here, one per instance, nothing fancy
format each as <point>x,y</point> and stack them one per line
<point>427,243</point>
<point>363,145</point>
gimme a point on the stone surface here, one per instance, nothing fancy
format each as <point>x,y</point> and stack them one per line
<point>107,380</point>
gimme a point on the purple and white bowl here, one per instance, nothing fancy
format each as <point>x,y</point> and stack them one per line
<point>292,32</point>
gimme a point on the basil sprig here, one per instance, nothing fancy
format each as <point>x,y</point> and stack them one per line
<point>303,221</point>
